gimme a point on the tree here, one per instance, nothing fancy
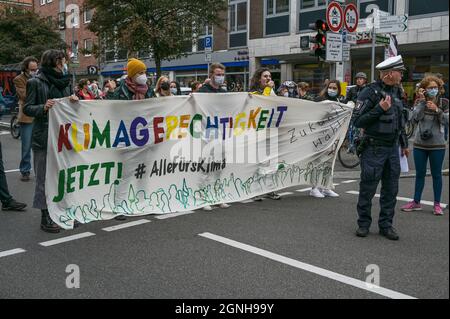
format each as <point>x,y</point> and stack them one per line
<point>162,27</point>
<point>23,33</point>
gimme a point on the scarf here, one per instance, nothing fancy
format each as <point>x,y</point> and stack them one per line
<point>138,91</point>
<point>58,80</point>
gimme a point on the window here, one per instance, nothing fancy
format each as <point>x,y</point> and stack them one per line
<point>311,11</point>
<point>238,23</point>
<point>62,20</point>
<point>88,14</point>
<point>207,30</point>
<point>62,5</point>
<point>276,7</point>
<point>88,46</point>
<point>42,2</point>
<point>366,6</point>
<point>420,7</point>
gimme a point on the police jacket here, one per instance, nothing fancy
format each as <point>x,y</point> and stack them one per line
<point>387,127</point>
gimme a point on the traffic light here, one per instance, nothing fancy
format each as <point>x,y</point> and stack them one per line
<point>320,39</point>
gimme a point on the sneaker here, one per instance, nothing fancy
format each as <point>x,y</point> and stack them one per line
<point>315,192</point>
<point>411,206</point>
<point>273,196</point>
<point>437,210</point>
<point>25,177</point>
<point>390,233</point>
<point>257,198</point>
<point>207,208</point>
<point>362,232</point>
<point>120,217</point>
<point>12,205</point>
<point>329,193</point>
<point>223,205</point>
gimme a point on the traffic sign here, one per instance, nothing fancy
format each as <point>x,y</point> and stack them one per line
<point>345,52</point>
<point>334,47</point>
<point>208,43</point>
<point>335,16</point>
<point>349,38</point>
<point>382,40</point>
<point>208,57</point>
<point>351,17</point>
<point>390,24</point>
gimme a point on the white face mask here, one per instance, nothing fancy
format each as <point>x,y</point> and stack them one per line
<point>141,79</point>
<point>33,74</point>
<point>286,94</point>
<point>219,80</point>
<point>174,91</point>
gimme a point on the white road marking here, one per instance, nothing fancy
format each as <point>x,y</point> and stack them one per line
<point>310,268</point>
<point>304,190</point>
<point>126,225</point>
<point>286,193</point>
<point>247,201</point>
<point>404,199</point>
<point>4,133</point>
<point>11,252</point>
<point>349,181</point>
<point>165,216</point>
<point>12,170</point>
<point>336,184</point>
<point>66,239</point>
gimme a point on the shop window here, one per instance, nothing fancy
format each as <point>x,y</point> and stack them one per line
<point>420,7</point>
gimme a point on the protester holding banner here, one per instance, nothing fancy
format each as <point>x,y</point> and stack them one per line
<point>431,114</point>
<point>331,92</point>
<point>53,82</point>
<point>134,86</point>
<point>162,87</point>
<point>262,84</point>
<point>216,80</point>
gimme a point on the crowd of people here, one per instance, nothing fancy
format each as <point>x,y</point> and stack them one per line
<point>378,113</point>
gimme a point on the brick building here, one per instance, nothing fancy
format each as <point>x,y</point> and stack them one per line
<point>72,21</point>
<point>24,4</point>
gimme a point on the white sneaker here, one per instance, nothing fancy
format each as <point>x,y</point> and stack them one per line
<point>329,193</point>
<point>208,208</point>
<point>223,205</point>
<point>315,192</point>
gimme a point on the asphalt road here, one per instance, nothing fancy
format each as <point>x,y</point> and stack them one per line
<point>298,247</point>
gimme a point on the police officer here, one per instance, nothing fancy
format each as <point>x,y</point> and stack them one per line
<point>361,82</point>
<point>379,113</point>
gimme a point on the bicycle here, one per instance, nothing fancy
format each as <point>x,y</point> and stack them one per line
<point>14,124</point>
<point>347,153</point>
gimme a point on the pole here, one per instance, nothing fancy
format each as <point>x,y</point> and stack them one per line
<point>372,73</point>
<point>74,57</point>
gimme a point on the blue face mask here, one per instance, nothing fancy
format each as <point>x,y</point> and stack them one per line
<point>332,93</point>
<point>432,92</point>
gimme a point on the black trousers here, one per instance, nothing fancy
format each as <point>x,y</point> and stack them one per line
<point>378,163</point>
<point>5,197</point>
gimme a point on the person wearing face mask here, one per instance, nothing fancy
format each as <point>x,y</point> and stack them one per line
<point>379,111</point>
<point>84,91</point>
<point>288,89</point>
<point>162,87</point>
<point>175,88</point>
<point>331,92</point>
<point>53,82</point>
<point>29,70</point>
<point>303,92</point>
<point>134,86</point>
<point>216,80</point>
<point>431,115</point>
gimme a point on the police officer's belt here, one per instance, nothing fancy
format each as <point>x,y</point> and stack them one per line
<point>377,142</point>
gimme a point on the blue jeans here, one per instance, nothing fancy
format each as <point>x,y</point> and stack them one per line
<point>26,131</point>
<point>436,161</point>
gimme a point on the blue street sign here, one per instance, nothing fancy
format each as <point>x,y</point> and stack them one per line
<point>208,43</point>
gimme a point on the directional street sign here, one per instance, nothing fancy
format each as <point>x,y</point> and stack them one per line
<point>208,43</point>
<point>334,47</point>
<point>391,24</point>
<point>382,40</point>
<point>351,17</point>
<point>345,52</point>
<point>335,16</point>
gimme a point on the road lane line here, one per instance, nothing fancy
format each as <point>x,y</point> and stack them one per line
<point>310,268</point>
<point>66,239</point>
<point>171,215</point>
<point>247,201</point>
<point>11,252</point>
<point>349,181</point>
<point>336,184</point>
<point>286,193</point>
<point>12,170</point>
<point>304,190</point>
<point>405,199</point>
<point>126,225</point>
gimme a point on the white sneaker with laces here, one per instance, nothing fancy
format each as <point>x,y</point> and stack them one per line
<point>329,193</point>
<point>208,208</point>
<point>315,192</point>
<point>224,205</point>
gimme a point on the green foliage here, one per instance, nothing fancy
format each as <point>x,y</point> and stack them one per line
<point>24,33</point>
<point>164,28</point>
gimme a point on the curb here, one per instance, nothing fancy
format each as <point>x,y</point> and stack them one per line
<point>356,174</point>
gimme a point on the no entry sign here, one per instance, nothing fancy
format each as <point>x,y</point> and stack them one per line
<point>335,16</point>
<point>351,17</point>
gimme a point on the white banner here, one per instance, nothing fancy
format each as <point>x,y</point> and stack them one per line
<point>174,154</point>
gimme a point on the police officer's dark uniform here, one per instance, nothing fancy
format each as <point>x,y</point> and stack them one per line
<point>379,150</point>
<point>354,91</point>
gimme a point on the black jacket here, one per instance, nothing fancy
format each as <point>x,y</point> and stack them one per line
<point>207,88</point>
<point>353,93</point>
<point>38,92</point>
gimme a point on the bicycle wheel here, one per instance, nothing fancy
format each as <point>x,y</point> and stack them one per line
<point>15,127</point>
<point>347,155</point>
<point>409,129</point>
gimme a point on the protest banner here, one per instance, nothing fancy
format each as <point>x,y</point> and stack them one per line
<point>175,154</point>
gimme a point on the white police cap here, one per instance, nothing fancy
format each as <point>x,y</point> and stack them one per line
<point>393,63</point>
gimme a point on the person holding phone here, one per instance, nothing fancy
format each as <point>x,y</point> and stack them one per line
<point>431,115</point>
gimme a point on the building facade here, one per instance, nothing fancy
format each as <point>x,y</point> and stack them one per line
<point>23,4</point>
<point>72,19</point>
